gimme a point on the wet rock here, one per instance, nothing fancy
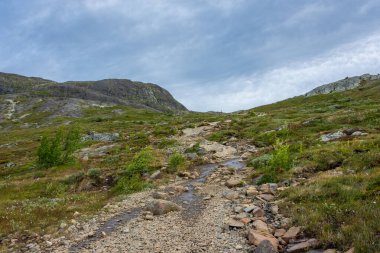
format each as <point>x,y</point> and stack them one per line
<point>332,136</point>
<point>265,247</point>
<point>292,233</point>
<point>303,246</point>
<point>256,237</point>
<point>159,207</point>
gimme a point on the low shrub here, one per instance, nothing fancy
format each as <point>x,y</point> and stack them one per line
<point>176,161</point>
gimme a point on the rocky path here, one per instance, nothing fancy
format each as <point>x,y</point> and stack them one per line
<point>211,209</point>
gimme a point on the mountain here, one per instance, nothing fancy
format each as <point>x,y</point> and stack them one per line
<point>347,83</point>
<point>67,99</point>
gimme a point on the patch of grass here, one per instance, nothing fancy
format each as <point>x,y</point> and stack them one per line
<point>176,161</point>
<point>130,185</point>
<point>341,211</point>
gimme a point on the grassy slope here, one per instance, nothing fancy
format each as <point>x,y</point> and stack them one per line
<point>340,203</point>
<point>341,209</point>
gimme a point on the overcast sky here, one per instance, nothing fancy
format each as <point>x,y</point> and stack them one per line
<point>221,55</point>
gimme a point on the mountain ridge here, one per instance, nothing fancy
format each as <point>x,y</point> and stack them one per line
<point>347,83</point>
<point>115,91</point>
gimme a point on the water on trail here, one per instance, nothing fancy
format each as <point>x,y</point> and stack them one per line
<point>191,202</point>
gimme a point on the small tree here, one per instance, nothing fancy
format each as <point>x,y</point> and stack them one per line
<point>58,150</point>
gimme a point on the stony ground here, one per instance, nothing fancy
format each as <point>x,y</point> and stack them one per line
<point>212,209</point>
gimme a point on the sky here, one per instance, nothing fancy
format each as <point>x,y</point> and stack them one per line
<point>212,55</point>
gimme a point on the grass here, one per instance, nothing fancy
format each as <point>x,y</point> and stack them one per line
<point>339,204</point>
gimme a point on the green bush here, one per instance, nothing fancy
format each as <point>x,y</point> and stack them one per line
<point>175,162</point>
<point>141,163</point>
<point>58,150</point>
<point>74,178</point>
<point>261,161</point>
<point>281,156</point>
<point>130,184</point>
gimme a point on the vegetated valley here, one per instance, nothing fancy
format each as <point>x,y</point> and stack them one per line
<point>84,170</point>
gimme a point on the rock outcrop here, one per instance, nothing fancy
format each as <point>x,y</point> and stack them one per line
<point>342,85</point>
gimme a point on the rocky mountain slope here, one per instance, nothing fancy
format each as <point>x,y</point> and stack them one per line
<point>66,99</point>
<point>347,83</point>
<point>300,175</point>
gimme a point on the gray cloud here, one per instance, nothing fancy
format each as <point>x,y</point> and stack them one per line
<point>212,55</point>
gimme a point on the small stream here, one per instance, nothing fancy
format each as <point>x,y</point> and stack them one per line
<point>191,202</point>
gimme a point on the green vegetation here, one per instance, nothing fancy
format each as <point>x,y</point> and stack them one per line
<point>176,161</point>
<point>58,150</point>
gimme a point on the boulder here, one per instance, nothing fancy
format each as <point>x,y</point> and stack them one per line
<point>265,247</point>
<point>261,226</point>
<point>332,136</point>
<point>256,237</point>
<point>160,195</point>
<point>159,207</point>
<point>292,233</point>
<point>234,183</point>
<point>303,246</point>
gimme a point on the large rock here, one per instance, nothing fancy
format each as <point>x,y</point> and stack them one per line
<point>160,206</point>
<point>303,246</point>
<point>256,237</point>
<point>332,136</point>
<point>235,223</point>
<point>292,233</point>
<point>94,136</point>
<point>234,183</point>
<point>261,226</point>
<point>231,195</point>
<point>347,83</point>
<point>265,247</point>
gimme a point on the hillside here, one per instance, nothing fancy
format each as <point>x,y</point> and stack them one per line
<point>69,98</point>
<point>347,83</point>
<point>298,175</point>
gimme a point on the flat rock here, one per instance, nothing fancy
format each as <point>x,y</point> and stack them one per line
<point>279,232</point>
<point>231,195</point>
<point>235,223</point>
<point>256,237</point>
<point>292,233</point>
<point>251,191</point>
<point>265,247</point>
<point>303,246</point>
<point>261,226</point>
<point>234,183</point>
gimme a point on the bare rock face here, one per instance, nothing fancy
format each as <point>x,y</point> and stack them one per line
<point>348,83</point>
<point>159,207</point>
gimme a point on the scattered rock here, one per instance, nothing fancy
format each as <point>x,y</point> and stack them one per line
<point>332,136</point>
<point>235,223</point>
<point>159,206</point>
<point>266,197</point>
<point>156,175</point>
<point>303,246</point>
<point>279,232</point>
<point>251,191</point>
<point>234,183</point>
<point>230,195</point>
<point>94,136</point>
<point>292,233</point>
<point>261,226</point>
<point>358,133</point>
<point>256,237</point>
<point>265,247</point>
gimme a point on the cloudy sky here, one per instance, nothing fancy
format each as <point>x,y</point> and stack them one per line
<point>221,55</point>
